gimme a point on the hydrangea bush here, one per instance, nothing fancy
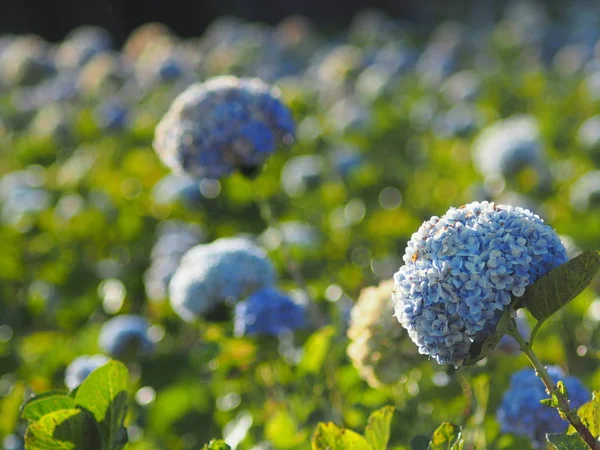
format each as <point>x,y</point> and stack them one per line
<point>127,230</point>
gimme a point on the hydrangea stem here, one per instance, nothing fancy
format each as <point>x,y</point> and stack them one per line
<point>271,221</point>
<point>563,402</point>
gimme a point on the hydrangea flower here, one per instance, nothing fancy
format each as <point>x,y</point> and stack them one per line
<point>112,114</point>
<point>209,274</point>
<point>508,145</point>
<point>585,192</point>
<point>81,367</point>
<point>173,241</point>
<point>522,413</point>
<point>379,347</point>
<point>221,125</point>
<point>125,335</point>
<point>81,45</point>
<point>269,312</point>
<point>462,270</point>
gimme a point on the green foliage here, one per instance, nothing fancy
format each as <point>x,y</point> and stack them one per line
<point>92,419</point>
<point>216,444</point>
<point>555,290</point>
<point>328,436</point>
<point>589,414</point>
<point>316,350</point>
<point>446,437</point>
<point>377,431</point>
<point>104,394</point>
<point>567,442</point>
<point>43,404</point>
<point>69,429</point>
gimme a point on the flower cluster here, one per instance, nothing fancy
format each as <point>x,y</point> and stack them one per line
<point>509,145</point>
<point>173,241</point>
<point>269,312</point>
<point>125,336</point>
<point>222,125</point>
<point>81,367</point>
<point>379,347</point>
<point>522,413</point>
<point>462,270</point>
<point>210,274</point>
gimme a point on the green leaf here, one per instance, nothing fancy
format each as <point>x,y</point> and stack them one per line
<point>216,444</point>
<point>328,436</point>
<point>66,429</point>
<point>377,431</point>
<point>567,442</point>
<point>104,394</point>
<point>589,413</point>
<point>561,285</point>
<point>282,431</point>
<point>446,437</point>
<point>480,350</point>
<point>43,404</point>
<point>316,350</point>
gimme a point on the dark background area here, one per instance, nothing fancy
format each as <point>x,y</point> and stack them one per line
<point>53,19</point>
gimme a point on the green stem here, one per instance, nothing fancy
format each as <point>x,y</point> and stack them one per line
<point>537,327</point>
<point>266,213</point>
<point>563,402</point>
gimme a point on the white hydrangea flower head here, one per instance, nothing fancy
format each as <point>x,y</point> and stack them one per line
<point>379,346</point>
<point>508,145</point>
<point>210,274</point>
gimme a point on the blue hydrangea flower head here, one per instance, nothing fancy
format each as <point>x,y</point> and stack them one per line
<point>222,125</point>
<point>522,413</point>
<point>379,346</point>
<point>508,145</point>
<point>268,312</point>
<point>210,274</point>
<point>585,192</point>
<point>81,367</point>
<point>124,336</point>
<point>463,269</point>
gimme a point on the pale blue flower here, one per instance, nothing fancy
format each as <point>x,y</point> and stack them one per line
<point>462,270</point>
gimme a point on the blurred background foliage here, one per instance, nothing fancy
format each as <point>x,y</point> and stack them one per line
<point>388,112</point>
